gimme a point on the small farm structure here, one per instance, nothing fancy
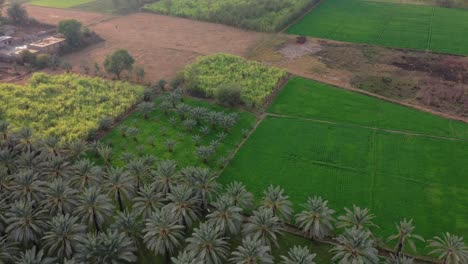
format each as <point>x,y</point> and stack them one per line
<point>48,45</point>
<point>5,41</point>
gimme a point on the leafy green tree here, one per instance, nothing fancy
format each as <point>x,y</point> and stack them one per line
<point>239,196</point>
<point>71,29</point>
<point>355,246</point>
<point>163,234</point>
<point>25,223</point>
<point>405,235</point>
<point>316,220</point>
<point>118,61</point>
<point>17,13</point>
<point>63,237</point>
<point>118,183</point>
<point>359,218</point>
<point>298,255</point>
<point>59,198</point>
<point>32,256</point>
<point>208,244</point>
<point>226,216</point>
<point>277,202</point>
<point>450,249</point>
<point>94,207</point>
<point>251,251</point>
<point>263,226</point>
<point>183,203</point>
<point>147,200</point>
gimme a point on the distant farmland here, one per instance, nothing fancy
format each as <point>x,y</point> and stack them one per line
<point>338,147</point>
<point>393,25</point>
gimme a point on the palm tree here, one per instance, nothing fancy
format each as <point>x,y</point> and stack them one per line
<point>78,148</point>
<point>163,234</point>
<point>105,152</point>
<point>449,248</point>
<point>147,200</point>
<point>264,226</point>
<point>8,250</point>
<point>51,146</point>
<point>359,218</point>
<point>166,176</point>
<point>278,203</point>
<point>93,207</point>
<point>186,258</point>
<point>25,223</point>
<point>316,220</point>
<point>129,223</point>
<point>86,174</point>
<point>405,234</point>
<point>118,183</point>
<point>208,244</point>
<point>252,251</point>
<point>145,108</point>
<point>57,167</point>
<point>30,160</point>
<point>63,237</point>
<point>355,246</point>
<point>184,205</point>
<point>399,260</point>
<point>239,196</point>
<point>107,248</point>
<point>31,256</point>
<point>89,248</point>
<point>139,171</point>
<point>226,216</point>
<point>25,139</point>
<point>26,185</point>
<point>4,130</point>
<point>299,255</point>
<point>59,198</point>
<point>204,183</point>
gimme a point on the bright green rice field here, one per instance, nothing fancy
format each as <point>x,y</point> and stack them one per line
<point>344,160</point>
<point>59,3</point>
<point>393,25</point>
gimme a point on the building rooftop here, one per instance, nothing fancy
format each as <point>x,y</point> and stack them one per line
<point>47,42</point>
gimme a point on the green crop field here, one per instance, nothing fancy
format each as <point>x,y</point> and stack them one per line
<point>59,3</point>
<point>393,25</point>
<point>336,148</point>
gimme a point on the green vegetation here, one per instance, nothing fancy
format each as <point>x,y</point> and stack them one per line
<point>69,106</point>
<point>211,73</point>
<point>324,147</point>
<point>392,25</point>
<point>153,134</point>
<point>118,7</point>
<point>59,3</point>
<point>259,15</point>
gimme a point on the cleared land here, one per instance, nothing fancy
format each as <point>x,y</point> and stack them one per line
<point>53,15</point>
<point>392,25</point>
<point>321,145</point>
<point>59,3</point>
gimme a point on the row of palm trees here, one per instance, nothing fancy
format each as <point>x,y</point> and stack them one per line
<point>56,206</point>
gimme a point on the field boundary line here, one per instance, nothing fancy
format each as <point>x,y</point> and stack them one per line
<point>429,37</point>
<point>408,133</point>
<point>385,25</point>
<point>308,10</point>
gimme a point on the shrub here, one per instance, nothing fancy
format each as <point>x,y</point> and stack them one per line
<point>106,123</point>
<point>229,94</point>
<point>42,60</point>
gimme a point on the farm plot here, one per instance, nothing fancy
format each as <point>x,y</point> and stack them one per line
<point>395,174</point>
<point>392,25</point>
<point>59,3</point>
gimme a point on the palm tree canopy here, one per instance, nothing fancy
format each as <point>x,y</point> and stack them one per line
<point>31,256</point>
<point>298,255</point>
<point>355,246</point>
<point>208,244</point>
<point>226,216</point>
<point>405,234</point>
<point>359,218</point>
<point>263,226</point>
<point>129,223</point>
<point>166,175</point>
<point>252,251</point>
<point>399,260</point>
<point>316,220</point>
<point>186,258</point>
<point>8,250</point>
<point>147,200</point>
<point>279,203</point>
<point>93,206</point>
<point>59,198</point>
<point>184,204</point>
<point>25,224</point>
<point>63,236</point>
<point>449,248</point>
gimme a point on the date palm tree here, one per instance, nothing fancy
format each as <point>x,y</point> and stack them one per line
<point>147,200</point>
<point>30,160</point>
<point>63,237</point>
<point>208,244</point>
<point>163,234</point>
<point>355,246</point>
<point>145,108</point>
<point>8,250</point>
<point>298,255</point>
<point>25,224</point>
<point>263,226</point>
<point>26,185</point>
<point>93,207</point>
<point>78,148</point>
<point>139,171</point>
<point>57,167</point>
<point>399,260</point>
<point>183,203</point>
<point>405,235</point>
<point>119,184</point>
<point>116,248</point>
<point>359,218</point>
<point>204,184</point>
<point>186,258</point>
<point>51,146</point>
<point>277,202</point>
<point>105,152</point>
<point>252,251</point>
<point>316,220</point>
<point>130,223</point>
<point>86,174</point>
<point>166,176</point>
<point>59,198</point>
<point>32,256</point>
<point>25,138</point>
<point>226,216</point>
<point>239,196</point>
<point>450,249</point>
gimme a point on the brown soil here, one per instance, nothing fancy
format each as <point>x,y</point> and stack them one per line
<point>54,15</point>
<point>161,44</point>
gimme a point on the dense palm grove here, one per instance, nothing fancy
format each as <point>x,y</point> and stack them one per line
<point>58,206</point>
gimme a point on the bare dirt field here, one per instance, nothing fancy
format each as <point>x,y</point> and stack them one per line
<point>54,15</point>
<point>161,44</point>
